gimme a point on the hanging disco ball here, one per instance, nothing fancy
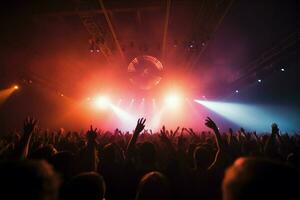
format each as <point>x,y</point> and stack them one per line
<point>145,72</point>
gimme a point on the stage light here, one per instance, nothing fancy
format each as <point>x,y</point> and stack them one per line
<point>252,117</point>
<point>61,95</point>
<point>282,69</point>
<point>172,100</point>
<point>236,91</point>
<point>259,80</point>
<point>6,93</point>
<point>102,102</point>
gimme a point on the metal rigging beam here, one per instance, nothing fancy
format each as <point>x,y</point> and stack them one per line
<point>166,25</point>
<point>112,30</point>
<point>94,30</point>
<point>227,8</point>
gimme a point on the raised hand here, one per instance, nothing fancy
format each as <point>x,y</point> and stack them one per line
<point>22,148</point>
<point>163,135</point>
<point>29,125</point>
<point>140,125</point>
<point>163,130</point>
<point>91,134</point>
<point>138,129</point>
<point>210,124</point>
<point>90,160</point>
<point>192,132</point>
<point>176,131</point>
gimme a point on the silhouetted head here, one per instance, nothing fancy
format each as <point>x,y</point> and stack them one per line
<point>109,153</point>
<point>45,152</point>
<point>35,180</point>
<point>147,153</point>
<point>88,185</point>
<point>252,178</point>
<point>64,163</point>
<point>153,185</point>
<point>202,157</point>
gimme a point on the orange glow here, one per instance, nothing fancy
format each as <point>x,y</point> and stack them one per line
<point>16,87</point>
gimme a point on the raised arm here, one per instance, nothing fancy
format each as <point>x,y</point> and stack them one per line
<point>165,140</point>
<point>91,150</point>
<point>271,142</point>
<point>138,129</point>
<point>220,157</point>
<point>22,148</point>
<point>211,124</point>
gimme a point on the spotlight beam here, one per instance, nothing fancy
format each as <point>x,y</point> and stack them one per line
<point>127,119</point>
<point>6,93</point>
<point>252,117</point>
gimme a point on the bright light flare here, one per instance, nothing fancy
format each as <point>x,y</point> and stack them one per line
<point>173,100</point>
<point>16,87</point>
<point>102,102</point>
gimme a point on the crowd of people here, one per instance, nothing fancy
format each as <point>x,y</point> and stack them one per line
<point>169,164</point>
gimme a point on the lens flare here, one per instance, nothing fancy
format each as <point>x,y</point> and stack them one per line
<point>102,102</point>
<point>172,100</point>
